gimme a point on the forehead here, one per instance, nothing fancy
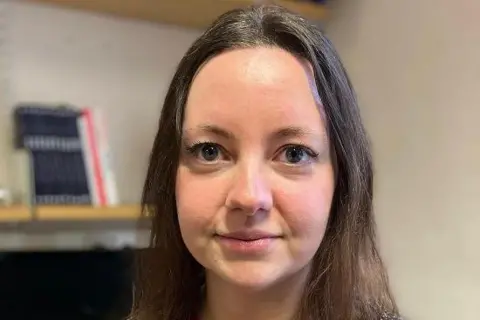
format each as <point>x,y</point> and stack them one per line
<point>254,87</point>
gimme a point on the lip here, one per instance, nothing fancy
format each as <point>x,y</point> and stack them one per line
<point>248,235</point>
<point>248,242</point>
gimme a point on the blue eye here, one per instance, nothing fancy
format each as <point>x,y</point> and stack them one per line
<point>297,154</point>
<point>205,151</point>
<point>294,154</point>
<point>209,152</point>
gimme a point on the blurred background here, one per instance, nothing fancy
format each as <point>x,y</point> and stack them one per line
<point>94,73</point>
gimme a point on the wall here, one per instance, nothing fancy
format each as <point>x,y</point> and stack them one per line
<point>122,67</point>
<point>416,67</point>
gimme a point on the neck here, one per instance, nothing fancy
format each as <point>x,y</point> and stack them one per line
<point>225,300</point>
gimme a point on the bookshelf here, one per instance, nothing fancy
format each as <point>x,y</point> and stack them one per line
<point>72,213</point>
<point>14,214</point>
<point>57,228</point>
<point>69,213</point>
<point>187,13</point>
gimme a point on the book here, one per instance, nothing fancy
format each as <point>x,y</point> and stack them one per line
<point>98,158</point>
<point>52,137</point>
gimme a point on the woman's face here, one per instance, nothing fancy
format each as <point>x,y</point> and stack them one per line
<point>255,180</point>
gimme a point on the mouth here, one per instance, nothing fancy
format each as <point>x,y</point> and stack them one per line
<point>248,243</point>
<point>248,236</point>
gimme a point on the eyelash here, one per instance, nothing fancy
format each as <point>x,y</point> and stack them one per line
<point>194,148</point>
<point>311,153</point>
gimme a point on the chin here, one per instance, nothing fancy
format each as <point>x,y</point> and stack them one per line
<point>251,275</point>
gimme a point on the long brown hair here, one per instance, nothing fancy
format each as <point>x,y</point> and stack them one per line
<point>348,279</point>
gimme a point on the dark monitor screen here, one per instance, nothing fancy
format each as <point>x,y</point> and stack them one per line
<point>66,285</point>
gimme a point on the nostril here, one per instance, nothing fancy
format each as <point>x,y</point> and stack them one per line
<point>250,191</point>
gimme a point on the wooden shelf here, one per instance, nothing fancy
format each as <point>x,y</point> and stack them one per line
<point>14,214</point>
<point>69,213</point>
<point>87,213</point>
<point>188,13</point>
<point>53,228</point>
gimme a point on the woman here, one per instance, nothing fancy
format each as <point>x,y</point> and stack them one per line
<point>260,182</point>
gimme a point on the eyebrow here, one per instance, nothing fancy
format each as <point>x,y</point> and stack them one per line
<point>212,129</point>
<point>282,133</point>
<point>292,132</point>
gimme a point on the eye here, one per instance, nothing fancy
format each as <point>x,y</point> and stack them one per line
<point>209,152</point>
<point>297,154</point>
<point>206,151</point>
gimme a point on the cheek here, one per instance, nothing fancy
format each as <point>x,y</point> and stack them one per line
<point>306,213</point>
<point>197,203</point>
<point>305,208</point>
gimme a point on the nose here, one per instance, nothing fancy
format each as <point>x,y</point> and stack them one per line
<point>250,191</point>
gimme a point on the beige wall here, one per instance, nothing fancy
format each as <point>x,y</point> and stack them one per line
<point>121,67</point>
<point>416,67</point>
